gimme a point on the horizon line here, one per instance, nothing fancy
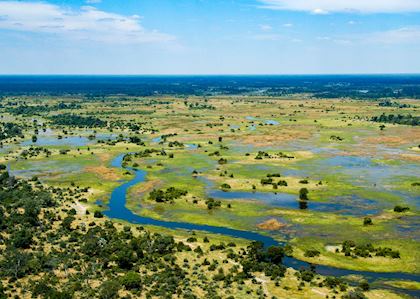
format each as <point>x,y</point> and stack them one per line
<point>202,74</point>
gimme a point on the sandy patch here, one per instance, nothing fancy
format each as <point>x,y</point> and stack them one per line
<point>414,158</point>
<point>103,172</point>
<point>271,224</point>
<point>81,209</point>
<point>146,187</point>
<point>104,157</point>
<point>332,248</point>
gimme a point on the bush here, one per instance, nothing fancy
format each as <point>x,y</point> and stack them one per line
<point>109,289</point>
<point>354,295</point>
<point>225,186</point>
<point>364,285</point>
<point>98,214</point>
<point>312,253</point>
<point>400,209</point>
<point>367,221</point>
<point>131,280</point>
<point>22,238</point>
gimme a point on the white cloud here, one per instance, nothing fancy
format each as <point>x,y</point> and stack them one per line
<point>93,1</point>
<point>86,23</point>
<point>265,27</point>
<point>319,11</point>
<point>396,36</point>
<point>288,25</point>
<point>344,6</point>
<point>399,36</point>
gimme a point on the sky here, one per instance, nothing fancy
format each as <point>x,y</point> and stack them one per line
<point>209,36</point>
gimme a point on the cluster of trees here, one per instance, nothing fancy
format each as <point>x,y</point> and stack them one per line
<point>30,110</point>
<point>164,137</point>
<point>364,87</point>
<point>350,248</point>
<point>407,119</point>
<point>73,120</point>
<point>212,203</point>
<point>388,103</point>
<point>270,181</point>
<point>336,138</point>
<point>136,262</point>
<point>97,260</point>
<point>264,155</point>
<point>401,209</point>
<point>34,152</point>
<point>10,130</point>
<point>199,106</point>
<point>175,144</point>
<point>168,195</point>
<point>268,261</point>
<point>143,154</point>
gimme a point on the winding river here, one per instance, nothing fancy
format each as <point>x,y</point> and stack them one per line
<point>117,209</point>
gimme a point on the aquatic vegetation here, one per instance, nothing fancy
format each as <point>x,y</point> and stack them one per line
<point>319,174</point>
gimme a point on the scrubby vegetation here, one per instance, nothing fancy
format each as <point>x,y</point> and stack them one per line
<point>398,119</point>
<point>168,195</point>
<point>73,120</point>
<point>305,171</point>
<point>350,248</point>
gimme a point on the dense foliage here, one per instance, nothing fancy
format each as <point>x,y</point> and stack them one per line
<point>74,120</point>
<point>327,86</point>
<point>169,194</point>
<point>50,254</point>
<point>9,130</point>
<point>398,119</point>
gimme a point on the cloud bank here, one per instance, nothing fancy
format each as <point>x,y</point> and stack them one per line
<point>344,6</point>
<point>86,23</point>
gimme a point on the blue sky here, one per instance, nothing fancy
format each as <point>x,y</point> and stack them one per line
<point>209,36</point>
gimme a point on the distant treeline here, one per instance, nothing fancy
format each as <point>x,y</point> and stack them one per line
<point>73,120</point>
<point>326,86</point>
<point>393,104</point>
<point>398,119</point>
<point>36,110</point>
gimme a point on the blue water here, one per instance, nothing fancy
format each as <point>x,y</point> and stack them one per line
<point>54,141</point>
<point>362,172</point>
<point>157,139</point>
<point>356,207</point>
<point>267,121</point>
<point>353,206</point>
<point>51,140</point>
<point>118,210</point>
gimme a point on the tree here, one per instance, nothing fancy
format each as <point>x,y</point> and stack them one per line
<point>98,214</point>
<point>131,280</point>
<point>125,257</point>
<point>275,254</point>
<point>109,289</point>
<point>303,194</point>
<point>367,221</point>
<point>22,238</point>
<point>364,285</point>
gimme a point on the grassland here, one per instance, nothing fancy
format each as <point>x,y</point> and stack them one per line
<point>351,168</point>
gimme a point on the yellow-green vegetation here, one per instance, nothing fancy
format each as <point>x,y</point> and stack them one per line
<point>332,255</point>
<point>411,285</point>
<point>239,168</point>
